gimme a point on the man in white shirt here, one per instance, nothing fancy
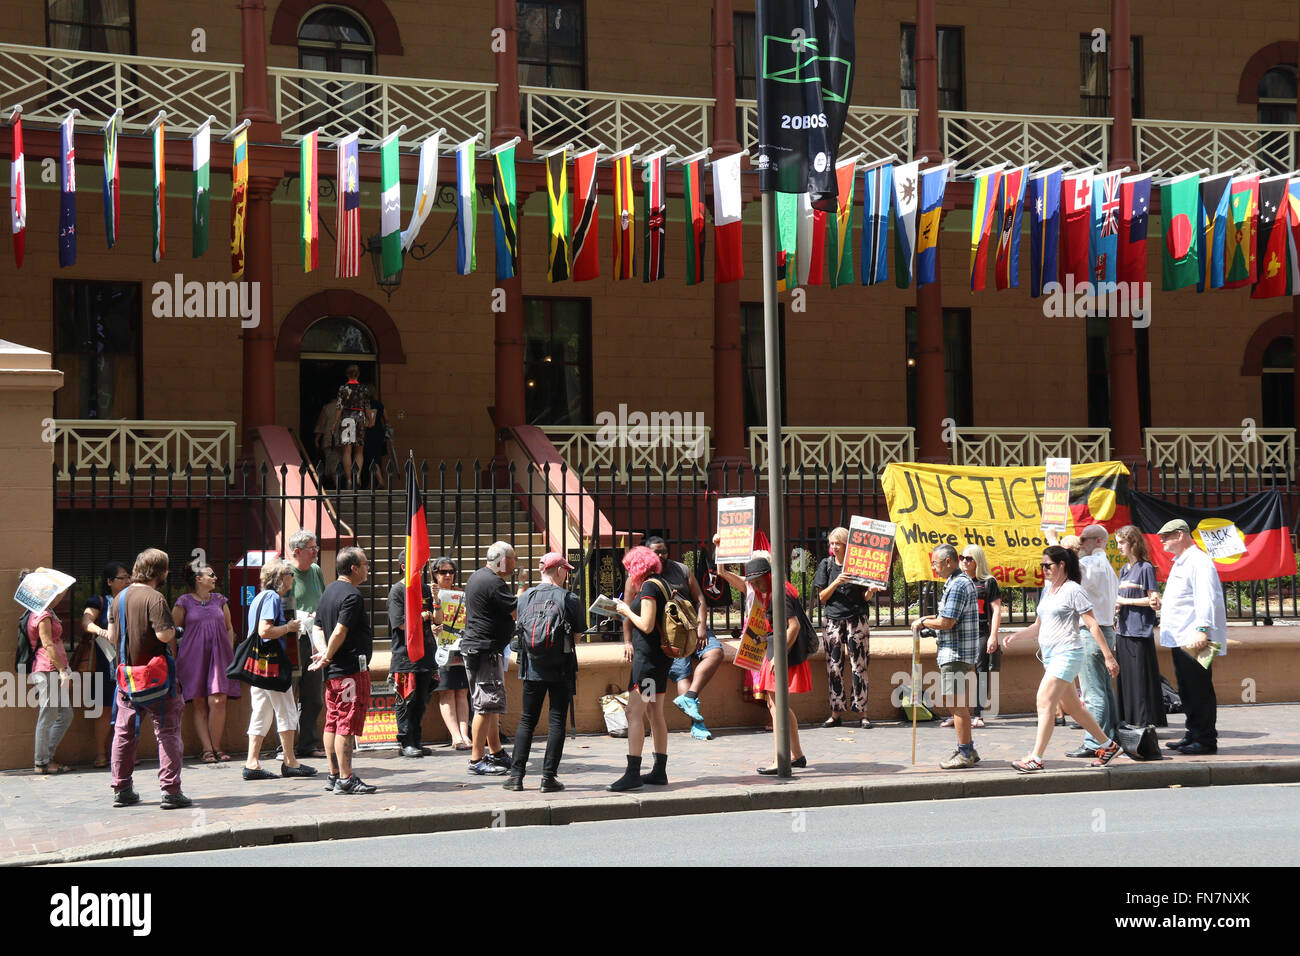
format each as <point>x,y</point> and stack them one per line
<point>1101,584</point>
<point>1192,615</point>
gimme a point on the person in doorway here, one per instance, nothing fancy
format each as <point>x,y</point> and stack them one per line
<point>378,434</point>
<point>352,414</point>
<point>203,652</point>
<point>328,458</point>
<point>94,624</point>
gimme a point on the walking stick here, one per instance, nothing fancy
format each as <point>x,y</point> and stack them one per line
<point>916,680</point>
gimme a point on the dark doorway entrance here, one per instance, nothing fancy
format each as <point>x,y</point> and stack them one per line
<point>328,348</point>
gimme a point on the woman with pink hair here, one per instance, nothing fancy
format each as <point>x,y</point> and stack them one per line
<point>649,667</point>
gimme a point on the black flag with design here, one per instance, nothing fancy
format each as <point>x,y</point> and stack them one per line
<point>805,79</point>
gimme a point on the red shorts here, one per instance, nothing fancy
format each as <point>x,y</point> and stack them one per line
<point>346,701</point>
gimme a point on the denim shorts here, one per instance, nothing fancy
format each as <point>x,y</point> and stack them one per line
<point>1064,663</point>
<point>684,667</point>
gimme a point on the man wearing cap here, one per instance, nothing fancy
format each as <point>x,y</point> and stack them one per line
<point>546,673</point>
<point>1101,584</point>
<point>1192,615</point>
<point>957,632</point>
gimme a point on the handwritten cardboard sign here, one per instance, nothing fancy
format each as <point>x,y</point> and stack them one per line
<point>1056,495</point>
<point>737,520</point>
<point>870,551</point>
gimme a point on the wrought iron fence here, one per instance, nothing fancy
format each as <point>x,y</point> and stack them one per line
<point>218,517</point>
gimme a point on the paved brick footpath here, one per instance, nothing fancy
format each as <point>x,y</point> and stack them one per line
<point>72,814</point>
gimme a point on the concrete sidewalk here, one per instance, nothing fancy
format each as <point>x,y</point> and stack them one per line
<point>51,819</point>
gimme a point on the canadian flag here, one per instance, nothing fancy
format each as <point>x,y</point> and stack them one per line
<point>1076,227</point>
<point>728,258</point>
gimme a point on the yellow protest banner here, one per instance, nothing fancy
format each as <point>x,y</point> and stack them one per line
<point>1000,509</point>
<point>753,646</point>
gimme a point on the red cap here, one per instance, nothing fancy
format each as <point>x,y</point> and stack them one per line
<point>553,559</point>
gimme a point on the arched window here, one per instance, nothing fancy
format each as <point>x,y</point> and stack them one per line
<point>1277,92</point>
<point>335,336</point>
<point>335,40</point>
<point>1277,384</point>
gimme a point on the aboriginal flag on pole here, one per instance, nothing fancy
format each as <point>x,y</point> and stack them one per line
<point>586,256</point>
<point>557,191</point>
<point>1249,539</point>
<point>417,556</point>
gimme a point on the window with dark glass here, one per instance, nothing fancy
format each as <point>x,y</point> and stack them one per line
<point>1277,384</point>
<point>1100,412</point>
<point>97,348</point>
<point>551,44</point>
<point>951,63</point>
<point>746,58</point>
<point>93,26</point>
<point>753,363</point>
<point>1277,102</point>
<point>1094,76</point>
<point>958,382</point>
<point>557,361</point>
<point>334,40</point>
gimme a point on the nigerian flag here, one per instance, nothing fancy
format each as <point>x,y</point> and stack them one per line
<point>202,187</point>
<point>391,215</point>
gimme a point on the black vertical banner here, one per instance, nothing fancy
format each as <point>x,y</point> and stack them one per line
<point>805,79</point>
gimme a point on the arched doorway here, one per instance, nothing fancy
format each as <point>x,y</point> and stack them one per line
<point>1277,384</point>
<point>329,346</point>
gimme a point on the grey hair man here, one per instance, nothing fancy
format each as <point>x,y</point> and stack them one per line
<point>1101,584</point>
<point>489,625</point>
<point>303,558</point>
<point>957,633</point>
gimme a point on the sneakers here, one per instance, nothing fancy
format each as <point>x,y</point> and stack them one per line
<point>550,785</point>
<point>330,780</point>
<point>175,801</point>
<point>961,761</point>
<point>353,785</point>
<point>488,768</point>
<point>1105,754</point>
<point>409,751</point>
<point>302,770</point>
<point>690,707</point>
<point>513,783</point>
<point>699,731</point>
<point>126,797</point>
<point>501,758</point>
<point>257,773</point>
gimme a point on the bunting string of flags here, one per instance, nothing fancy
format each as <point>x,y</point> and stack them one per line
<point>1230,230</point>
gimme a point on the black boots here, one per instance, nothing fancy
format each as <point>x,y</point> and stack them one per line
<point>631,779</point>
<point>658,776</point>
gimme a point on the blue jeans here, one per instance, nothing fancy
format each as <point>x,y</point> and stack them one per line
<point>684,667</point>
<point>1095,682</point>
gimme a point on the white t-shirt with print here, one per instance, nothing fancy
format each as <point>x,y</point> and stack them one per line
<point>1058,612</point>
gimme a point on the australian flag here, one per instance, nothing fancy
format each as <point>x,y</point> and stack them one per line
<point>1045,228</point>
<point>1135,207</point>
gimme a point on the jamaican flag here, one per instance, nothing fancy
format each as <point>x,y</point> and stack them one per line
<point>506,214</point>
<point>557,191</point>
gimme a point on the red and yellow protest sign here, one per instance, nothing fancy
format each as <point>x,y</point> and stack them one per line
<point>870,551</point>
<point>737,520</point>
<point>380,729</point>
<point>753,645</point>
<point>1056,494</point>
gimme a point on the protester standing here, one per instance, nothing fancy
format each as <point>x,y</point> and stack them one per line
<point>204,651</point>
<point>342,615</point>
<point>52,675</point>
<point>650,666</point>
<point>94,624</point>
<point>846,609</point>
<point>1192,615</point>
<point>489,625</point>
<point>142,631</point>
<point>308,586</point>
<point>453,684</point>
<point>1137,688</point>
<point>549,672</point>
<point>989,597</point>
<point>413,680</point>
<point>1062,609</point>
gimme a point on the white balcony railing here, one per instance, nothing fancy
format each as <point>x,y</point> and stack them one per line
<point>1028,447</point>
<point>82,444</point>
<point>1181,147</point>
<point>675,453</point>
<point>553,117</point>
<point>835,452</point>
<point>1222,452</point>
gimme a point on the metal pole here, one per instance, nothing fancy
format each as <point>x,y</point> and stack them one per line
<point>776,509</point>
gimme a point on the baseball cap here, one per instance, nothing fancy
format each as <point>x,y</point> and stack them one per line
<point>1172,527</point>
<point>553,559</point>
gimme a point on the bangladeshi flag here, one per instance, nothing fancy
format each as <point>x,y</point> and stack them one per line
<point>586,262</point>
<point>1274,276</point>
<point>1181,262</point>
<point>417,556</point>
<point>1256,523</point>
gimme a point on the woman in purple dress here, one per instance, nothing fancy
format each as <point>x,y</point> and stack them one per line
<point>206,649</point>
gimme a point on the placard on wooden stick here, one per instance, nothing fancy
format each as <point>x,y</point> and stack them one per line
<point>737,521</point>
<point>870,551</point>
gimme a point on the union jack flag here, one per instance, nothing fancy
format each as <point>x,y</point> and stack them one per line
<point>1109,205</point>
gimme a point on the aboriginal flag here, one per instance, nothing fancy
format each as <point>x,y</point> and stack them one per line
<point>1256,523</point>
<point>417,556</point>
<point>1100,499</point>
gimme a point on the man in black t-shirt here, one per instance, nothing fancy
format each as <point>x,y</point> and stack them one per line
<point>341,614</point>
<point>412,680</point>
<point>489,625</point>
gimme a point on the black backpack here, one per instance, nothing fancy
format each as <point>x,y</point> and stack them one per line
<point>542,628</point>
<point>26,653</point>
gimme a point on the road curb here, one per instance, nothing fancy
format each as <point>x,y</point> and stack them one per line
<point>782,795</point>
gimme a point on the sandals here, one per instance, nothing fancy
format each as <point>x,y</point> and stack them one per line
<point>101,762</point>
<point>208,756</point>
<point>46,769</point>
<point>977,721</point>
<point>832,722</point>
<point>1028,766</point>
<point>948,721</point>
<point>222,756</point>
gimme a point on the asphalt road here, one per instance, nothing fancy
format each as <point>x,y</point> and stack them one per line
<point>1191,827</point>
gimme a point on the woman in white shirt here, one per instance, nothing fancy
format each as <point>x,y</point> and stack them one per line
<point>1062,609</point>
